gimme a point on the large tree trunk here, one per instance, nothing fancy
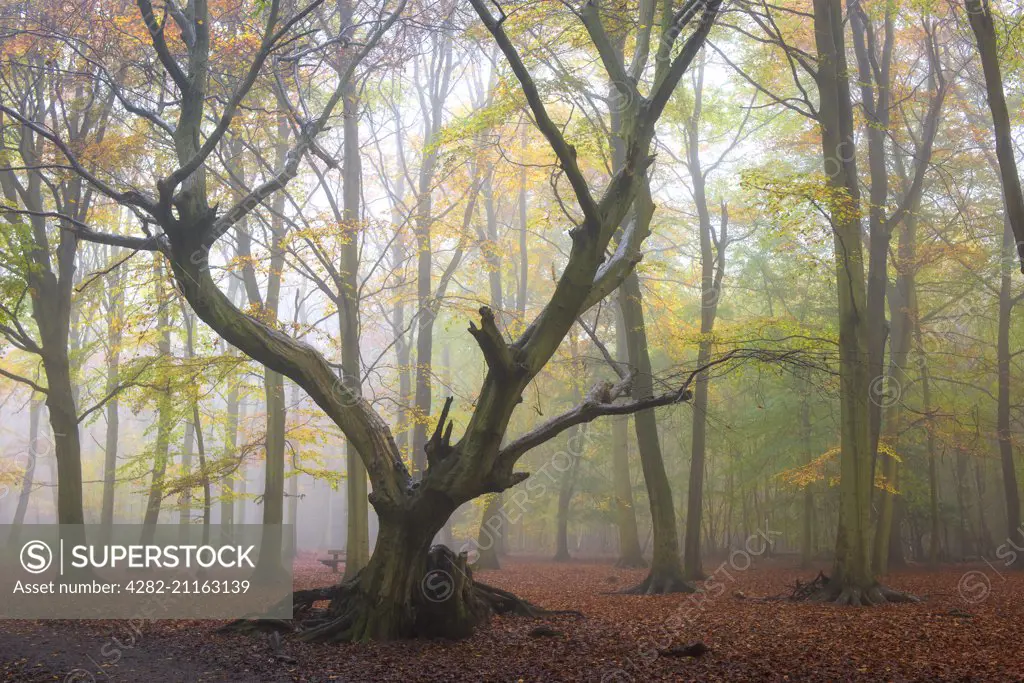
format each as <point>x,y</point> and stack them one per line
<point>409,589</point>
<point>185,499</point>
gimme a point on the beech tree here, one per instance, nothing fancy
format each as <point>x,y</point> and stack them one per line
<point>182,221</point>
<point>981,17</point>
<point>41,258</point>
<point>853,581</point>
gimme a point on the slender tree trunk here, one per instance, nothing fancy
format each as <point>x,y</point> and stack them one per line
<point>185,511</point>
<point>566,489</point>
<point>115,312</point>
<point>272,545</point>
<point>293,480</point>
<point>567,485</point>
<point>666,573</point>
<point>985,541</point>
<point>164,407</point>
<point>357,546</point>
<point>712,259</point>
<point>979,13</point>
<point>403,357</point>
<point>963,513</point>
<point>933,473</point>
<point>403,348</point>
<point>495,533</point>
<point>432,110</point>
<point>1010,491</point>
<point>227,496</point>
<point>273,486</point>
<point>807,518</point>
<point>630,554</point>
<point>524,259</point>
<point>207,494</point>
<point>28,478</point>
<point>489,534</point>
<point>50,272</point>
<point>185,500</point>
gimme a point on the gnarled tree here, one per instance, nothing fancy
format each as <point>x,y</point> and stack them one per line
<point>386,599</point>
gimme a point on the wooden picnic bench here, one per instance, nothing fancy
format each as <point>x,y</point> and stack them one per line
<point>337,557</point>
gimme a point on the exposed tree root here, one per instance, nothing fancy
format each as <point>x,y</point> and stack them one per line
<point>447,603</point>
<point>659,584</point>
<point>503,602</point>
<point>803,591</point>
<point>823,589</point>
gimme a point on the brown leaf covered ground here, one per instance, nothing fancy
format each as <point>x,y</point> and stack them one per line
<point>968,628</point>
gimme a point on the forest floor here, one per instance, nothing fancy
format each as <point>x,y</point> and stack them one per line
<point>967,628</point>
